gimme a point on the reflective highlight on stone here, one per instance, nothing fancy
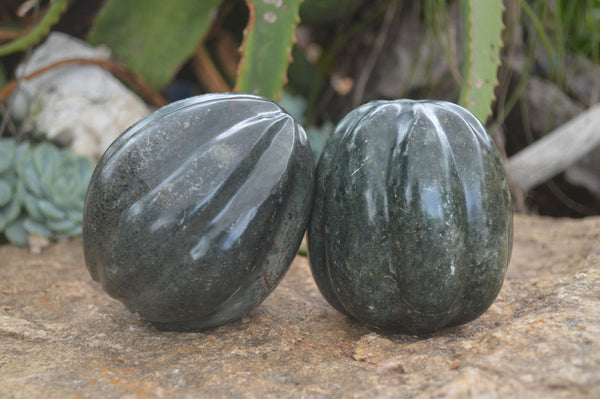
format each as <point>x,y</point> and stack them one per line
<point>194,214</point>
<point>412,224</point>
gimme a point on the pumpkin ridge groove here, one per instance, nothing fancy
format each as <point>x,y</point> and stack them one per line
<point>348,135</point>
<point>192,157</point>
<point>192,206</point>
<point>218,207</point>
<point>434,251</point>
<point>160,115</point>
<point>248,286</point>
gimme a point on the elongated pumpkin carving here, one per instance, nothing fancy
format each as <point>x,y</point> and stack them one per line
<point>195,213</point>
<point>412,223</point>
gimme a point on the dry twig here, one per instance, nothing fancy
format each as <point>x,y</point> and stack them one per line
<point>118,70</point>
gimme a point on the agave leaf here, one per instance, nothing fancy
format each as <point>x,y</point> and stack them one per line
<point>267,47</point>
<point>483,41</point>
<point>153,38</point>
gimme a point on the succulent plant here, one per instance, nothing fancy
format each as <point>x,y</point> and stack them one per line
<point>10,206</point>
<point>42,190</point>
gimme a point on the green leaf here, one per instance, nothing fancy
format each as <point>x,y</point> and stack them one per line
<point>7,154</point>
<point>10,178</point>
<point>61,226</point>
<point>267,47</point>
<point>153,38</point>
<point>40,30</point>
<point>6,193</point>
<point>35,228</point>
<point>16,234</point>
<point>31,179</point>
<point>75,216</point>
<point>30,203</point>
<point>303,251</point>
<point>45,156</point>
<point>70,180</point>
<point>11,211</point>
<point>483,41</point>
<point>50,211</point>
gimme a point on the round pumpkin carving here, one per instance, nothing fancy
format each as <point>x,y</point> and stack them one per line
<point>411,228</point>
<point>194,214</point>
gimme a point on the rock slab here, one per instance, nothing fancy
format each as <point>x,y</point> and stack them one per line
<point>62,336</point>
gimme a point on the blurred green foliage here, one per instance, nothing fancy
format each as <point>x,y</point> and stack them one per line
<point>153,38</point>
<point>267,47</point>
<point>481,55</point>
<point>38,32</point>
<point>581,26</point>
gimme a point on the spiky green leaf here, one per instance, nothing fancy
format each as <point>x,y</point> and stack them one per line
<point>483,41</point>
<point>267,47</point>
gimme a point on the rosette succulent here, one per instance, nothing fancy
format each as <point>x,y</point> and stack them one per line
<point>42,190</point>
<point>10,206</point>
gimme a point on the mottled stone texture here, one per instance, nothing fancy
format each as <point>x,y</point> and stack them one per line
<point>195,213</point>
<point>61,336</point>
<point>411,228</point>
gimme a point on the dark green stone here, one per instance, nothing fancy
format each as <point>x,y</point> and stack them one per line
<point>412,223</point>
<point>195,213</point>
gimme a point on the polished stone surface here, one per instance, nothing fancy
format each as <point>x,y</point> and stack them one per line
<point>412,222</point>
<point>195,213</point>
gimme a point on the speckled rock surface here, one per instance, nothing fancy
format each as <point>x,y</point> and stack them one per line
<point>195,213</point>
<point>61,336</point>
<point>411,227</point>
